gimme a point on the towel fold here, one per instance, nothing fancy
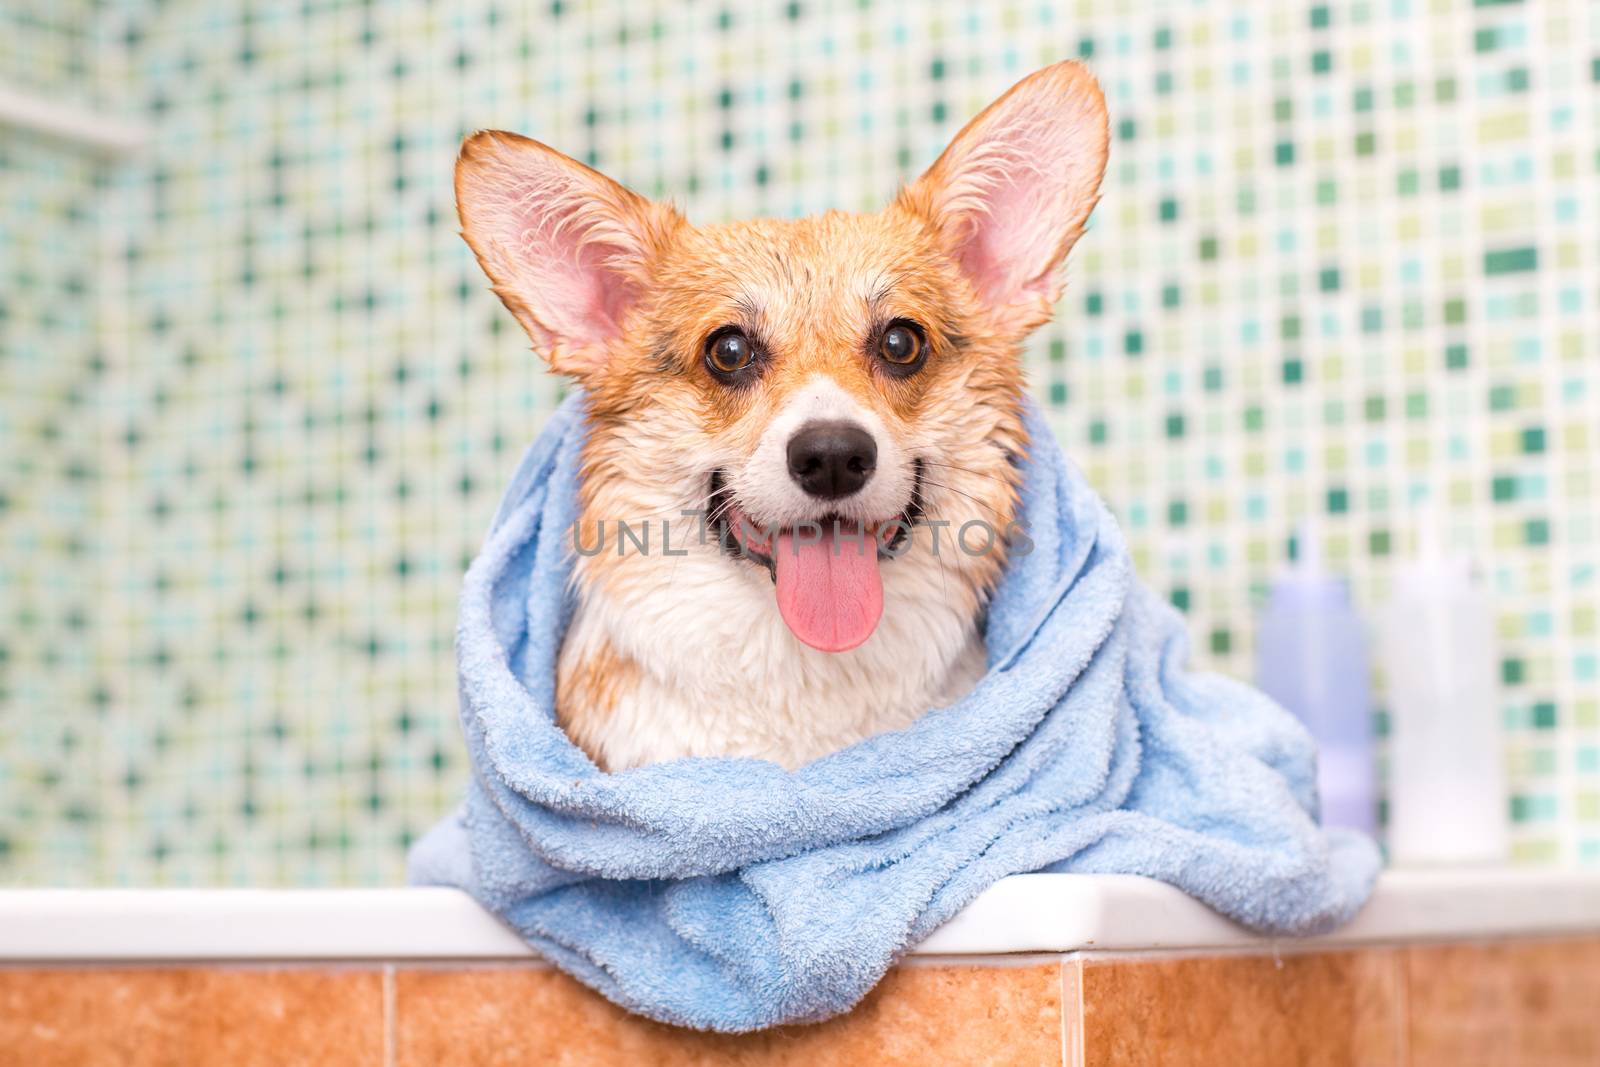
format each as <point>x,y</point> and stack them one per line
<point>732,895</point>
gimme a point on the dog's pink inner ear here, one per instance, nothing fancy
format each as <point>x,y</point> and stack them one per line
<point>1012,192</point>
<point>587,292</point>
<point>998,247</point>
<point>563,245</point>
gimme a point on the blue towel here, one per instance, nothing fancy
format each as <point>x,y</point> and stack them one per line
<point>732,895</point>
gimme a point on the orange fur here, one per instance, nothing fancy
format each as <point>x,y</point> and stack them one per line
<point>586,692</point>
<point>815,293</point>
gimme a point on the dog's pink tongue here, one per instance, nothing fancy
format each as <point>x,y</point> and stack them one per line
<point>829,591</point>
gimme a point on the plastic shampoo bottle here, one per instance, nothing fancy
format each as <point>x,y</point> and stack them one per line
<point>1312,659</point>
<point>1447,784</point>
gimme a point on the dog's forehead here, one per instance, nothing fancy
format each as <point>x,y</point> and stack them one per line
<point>831,266</point>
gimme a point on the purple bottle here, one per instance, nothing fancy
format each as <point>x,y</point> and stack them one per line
<point>1311,652</point>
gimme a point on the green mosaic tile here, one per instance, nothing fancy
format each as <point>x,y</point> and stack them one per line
<point>260,402</point>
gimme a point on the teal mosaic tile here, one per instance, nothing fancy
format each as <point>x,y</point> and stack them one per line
<point>261,402</point>
<point>50,47</point>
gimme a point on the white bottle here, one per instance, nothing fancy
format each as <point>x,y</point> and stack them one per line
<point>1447,788</point>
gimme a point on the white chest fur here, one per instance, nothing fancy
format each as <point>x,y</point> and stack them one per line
<point>715,672</point>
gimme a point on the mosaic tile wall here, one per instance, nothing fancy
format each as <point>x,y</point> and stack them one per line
<point>51,46</point>
<point>50,374</point>
<point>258,402</point>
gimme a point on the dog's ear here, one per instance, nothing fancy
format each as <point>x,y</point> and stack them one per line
<point>1012,192</point>
<point>566,247</point>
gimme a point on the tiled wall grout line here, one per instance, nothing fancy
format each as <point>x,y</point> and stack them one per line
<point>1072,1022</point>
<point>1402,1037</point>
<point>1061,1013</point>
<point>1080,1036</point>
<point>390,1023</point>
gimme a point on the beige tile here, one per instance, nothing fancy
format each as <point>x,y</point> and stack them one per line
<point>1524,1002</point>
<point>1333,1008</point>
<point>922,1014</point>
<point>190,1017</point>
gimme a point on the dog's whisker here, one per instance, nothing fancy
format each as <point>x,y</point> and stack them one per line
<point>719,513</point>
<point>966,470</point>
<point>944,567</point>
<point>981,503</point>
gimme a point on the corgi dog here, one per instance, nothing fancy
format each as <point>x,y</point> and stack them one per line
<point>815,423</point>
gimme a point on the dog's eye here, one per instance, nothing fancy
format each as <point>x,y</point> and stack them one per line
<point>902,346</point>
<point>729,352</point>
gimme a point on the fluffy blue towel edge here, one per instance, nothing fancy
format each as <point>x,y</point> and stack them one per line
<point>732,895</point>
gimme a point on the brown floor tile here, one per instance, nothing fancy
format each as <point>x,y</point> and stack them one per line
<point>190,1017</point>
<point>1333,1008</point>
<point>923,1014</point>
<point>1530,1002</point>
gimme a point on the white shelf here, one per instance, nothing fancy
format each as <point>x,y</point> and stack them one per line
<point>69,123</point>
<point>1025,913</point>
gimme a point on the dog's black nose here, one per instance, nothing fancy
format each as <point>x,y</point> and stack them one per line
<point>832,459</point>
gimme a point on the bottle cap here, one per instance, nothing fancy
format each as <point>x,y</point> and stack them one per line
<point>1432,566</point>
<point>1306,576</point>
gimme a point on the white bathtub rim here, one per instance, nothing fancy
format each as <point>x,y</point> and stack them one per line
<point>1037,913</point>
